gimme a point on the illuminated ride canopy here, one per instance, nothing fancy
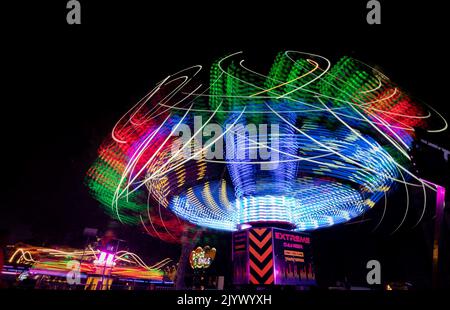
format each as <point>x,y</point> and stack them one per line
<point>308,144</point>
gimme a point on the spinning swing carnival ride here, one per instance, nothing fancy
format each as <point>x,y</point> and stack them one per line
<point>333,140</point>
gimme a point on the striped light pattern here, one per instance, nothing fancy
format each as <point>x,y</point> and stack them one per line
<point>336,140</point>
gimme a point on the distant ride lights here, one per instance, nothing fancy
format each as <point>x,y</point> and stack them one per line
<point>105,260</point>
<point>306,145</point>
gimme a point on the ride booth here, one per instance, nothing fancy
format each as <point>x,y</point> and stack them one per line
<point>272,256</point>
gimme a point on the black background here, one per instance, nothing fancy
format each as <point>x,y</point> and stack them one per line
<point>66,85</point>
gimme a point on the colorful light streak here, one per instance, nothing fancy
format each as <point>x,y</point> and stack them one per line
<point>345,131</point>
<point>54,262</point>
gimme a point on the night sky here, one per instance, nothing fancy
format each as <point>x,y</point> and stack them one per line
<point>67,85</point>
